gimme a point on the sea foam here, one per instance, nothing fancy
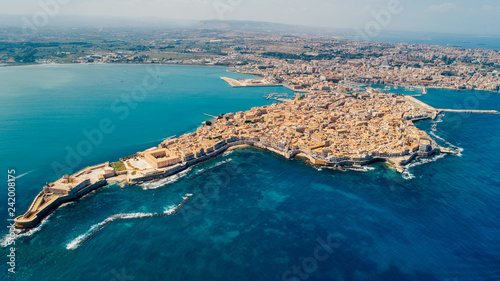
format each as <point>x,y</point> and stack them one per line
<point>170,210</point>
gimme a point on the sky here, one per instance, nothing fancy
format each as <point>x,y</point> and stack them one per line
<point>478,17</point>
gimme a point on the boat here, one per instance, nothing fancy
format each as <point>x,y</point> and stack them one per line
<point>424,92</point>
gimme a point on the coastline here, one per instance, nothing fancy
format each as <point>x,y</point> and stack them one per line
<point>36,214</point>
<point>68,192</point>
<point>229,69</point>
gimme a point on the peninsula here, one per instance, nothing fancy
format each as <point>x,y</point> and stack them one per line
<point>328,128</point>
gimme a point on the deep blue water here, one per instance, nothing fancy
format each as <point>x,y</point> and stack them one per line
<point>253,215</point>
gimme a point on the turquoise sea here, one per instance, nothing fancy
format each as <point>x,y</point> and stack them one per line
<point>253,215</point>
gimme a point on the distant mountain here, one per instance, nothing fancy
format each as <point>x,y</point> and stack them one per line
<point>70,21</point>
<point>244,25</point>
<point>78,21</point>
<point>258,26</point>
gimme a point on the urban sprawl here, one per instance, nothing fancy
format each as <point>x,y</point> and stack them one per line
<point>332,120</point>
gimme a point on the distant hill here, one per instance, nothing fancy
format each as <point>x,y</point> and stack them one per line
<point>71,21</point>
<point>258,26</point>
<point>77,21</point>
<point>244,25</point>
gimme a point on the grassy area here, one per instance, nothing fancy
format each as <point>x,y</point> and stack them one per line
<point>176,56</point>
<point>118,166</point>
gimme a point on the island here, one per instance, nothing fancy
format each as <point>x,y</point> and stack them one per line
<point>335,129</point>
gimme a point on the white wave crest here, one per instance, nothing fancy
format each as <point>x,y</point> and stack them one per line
<point>200,171</point>
<point>7,239</point>
<point>170,210</point>
<point>168,180</point>
<point>408,175</point>
<point>362,169</point>
<point>457,149</point>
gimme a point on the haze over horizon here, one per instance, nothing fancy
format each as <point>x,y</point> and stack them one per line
<point>448,16</point>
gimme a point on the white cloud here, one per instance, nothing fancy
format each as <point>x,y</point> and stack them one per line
<point>490,8</point>
<point>445,7</point>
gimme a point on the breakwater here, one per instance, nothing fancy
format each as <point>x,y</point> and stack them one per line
<point>95,229</point>
<point>469,111</point>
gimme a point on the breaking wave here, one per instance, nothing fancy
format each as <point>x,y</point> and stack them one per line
<point>439,119</point>
<point>362,169</point>
<point>458,150</point>
<point>7,239</point>
<point>165,181</point>
<point>408,175</point>
<point>203,170</point>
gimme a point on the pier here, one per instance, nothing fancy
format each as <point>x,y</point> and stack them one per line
<point>427,107</point>
<point>419,103</point>
<point>210,115</point>
<point>469,111</point>
<point>276,96</point>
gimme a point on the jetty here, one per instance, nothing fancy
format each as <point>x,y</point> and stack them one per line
<point>129,216</point>
<point>429,108</point>
<point>276,96</point>
<point>213,116</point>
<point>469,111</point>
<point>420,104</point>
<point>257,82</point>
